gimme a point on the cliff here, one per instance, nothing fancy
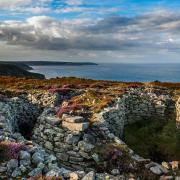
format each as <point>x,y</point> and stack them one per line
<point>27,64</point>
<point>18,71</point>
<point>21,65</point>
<point>57,63</point>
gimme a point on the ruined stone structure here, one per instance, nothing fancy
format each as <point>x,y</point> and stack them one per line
<point>70,141</point>
<point>136,105</point>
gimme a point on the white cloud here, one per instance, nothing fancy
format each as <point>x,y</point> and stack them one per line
<point>25,6</point>
<point>148,33</point>
<point>74,2</point>
<point>5,4</point>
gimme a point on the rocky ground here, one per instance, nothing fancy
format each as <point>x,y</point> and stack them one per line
<point>73,131</point>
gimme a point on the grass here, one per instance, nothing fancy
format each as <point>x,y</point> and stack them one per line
<point>13,83</point>
<point>94,99</point>
<point>111,156</point>
<point>114,156</point>
<point>155,139</point>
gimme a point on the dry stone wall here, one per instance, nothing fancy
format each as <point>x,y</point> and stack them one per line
<point>136,105</point>
<point>50,99</point>
<point>144,103</point>
<point>45,99</point>
<point>72,139</point>
<point>69,145</point>
<point>15,112</point>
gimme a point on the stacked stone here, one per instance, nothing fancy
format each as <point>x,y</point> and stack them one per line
<point>15,111</point>
<point>34,162</point>
<point>31,163</point>
<point>74,123</point>
<point>113,119</point>
<point>140,105</point>
<point>136,105</point>
<point>66,139</point>
<point>45,99</point>
<point>48,99</point>
<point>5,120</point>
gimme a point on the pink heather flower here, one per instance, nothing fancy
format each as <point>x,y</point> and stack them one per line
<point>60,90</point>
<point>13,149</point>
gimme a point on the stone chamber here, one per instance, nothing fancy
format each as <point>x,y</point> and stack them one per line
<point>142,109</point>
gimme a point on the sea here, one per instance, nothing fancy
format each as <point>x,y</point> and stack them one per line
<point>116,72</point>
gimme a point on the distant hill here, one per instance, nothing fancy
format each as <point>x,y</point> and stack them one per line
<point>18,64</point>
<point>21,68</point>
<point>55,63</point>
<point>14,70</point>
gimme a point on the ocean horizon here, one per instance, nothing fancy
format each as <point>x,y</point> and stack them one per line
<point>135,72</point>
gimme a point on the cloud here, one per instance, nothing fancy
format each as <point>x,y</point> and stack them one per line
<point>147,33</point>
<point>87,10</point>
<point>25,6</point>
<point>74,2</point>
<point>13,3</point>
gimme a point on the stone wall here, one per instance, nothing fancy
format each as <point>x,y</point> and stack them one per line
<point>72,139</point>
<point>136,105</point>
<point>69,145</point>
<point>148,103</point>
<point>45,99</point>
<point>49,99</point>
<point>15,112</point>
<point>113,118</point>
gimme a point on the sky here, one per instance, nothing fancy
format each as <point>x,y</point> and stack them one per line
<point>121,31</point>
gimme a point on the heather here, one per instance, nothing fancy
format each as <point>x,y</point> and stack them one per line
<point>10,150</point>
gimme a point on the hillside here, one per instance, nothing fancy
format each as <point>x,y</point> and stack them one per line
<point>72,128</point>
<point>13,70</point>
<point>18,64</point>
